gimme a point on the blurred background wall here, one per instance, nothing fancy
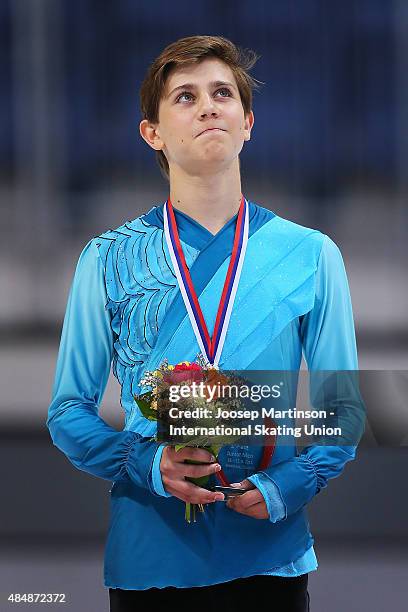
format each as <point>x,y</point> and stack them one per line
<point>329,150</point>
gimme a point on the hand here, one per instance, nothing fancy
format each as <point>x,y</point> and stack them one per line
<point>251,503</point>
<point>174,470</point>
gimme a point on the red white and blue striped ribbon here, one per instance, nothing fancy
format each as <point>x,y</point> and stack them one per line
<point>212,347</point>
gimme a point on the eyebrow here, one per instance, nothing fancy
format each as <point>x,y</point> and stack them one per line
<point>193,86</point>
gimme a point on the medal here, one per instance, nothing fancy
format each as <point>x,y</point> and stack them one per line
<point>211,347</point>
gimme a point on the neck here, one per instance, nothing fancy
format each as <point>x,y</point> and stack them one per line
<point>212,200</point>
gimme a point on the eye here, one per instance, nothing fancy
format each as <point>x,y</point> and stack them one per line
<point>183,93</point>
<point>224,89</point>
<point>187,93</point>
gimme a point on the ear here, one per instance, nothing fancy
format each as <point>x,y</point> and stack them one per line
<point>150,133</point>
<point>249,122</point>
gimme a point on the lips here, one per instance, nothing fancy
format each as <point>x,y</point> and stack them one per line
<point>211,130</point>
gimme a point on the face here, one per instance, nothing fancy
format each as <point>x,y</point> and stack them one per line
<point>202,125</point>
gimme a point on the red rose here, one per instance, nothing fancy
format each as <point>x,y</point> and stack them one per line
<point>191,366</point>
<point>184,373</point>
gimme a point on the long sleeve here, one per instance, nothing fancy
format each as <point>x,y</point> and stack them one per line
<point>82,371</point>
<point>329,344</point>
<point>271,495</point>
<point>156,479</point>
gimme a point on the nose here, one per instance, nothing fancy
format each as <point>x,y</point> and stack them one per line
<point>208,107</point>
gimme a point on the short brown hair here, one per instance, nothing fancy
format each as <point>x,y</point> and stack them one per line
<point>189,50</point>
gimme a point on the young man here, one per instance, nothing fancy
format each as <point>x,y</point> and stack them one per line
<point>127,304</point>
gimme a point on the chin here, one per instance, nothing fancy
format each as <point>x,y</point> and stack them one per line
<point>217,156</point>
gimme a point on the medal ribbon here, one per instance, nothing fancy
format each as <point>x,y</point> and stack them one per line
<point>210,347</point>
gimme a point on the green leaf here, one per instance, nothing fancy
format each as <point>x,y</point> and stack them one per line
<point>180,446</point>
<point>214,450</point>
<point>200,481</point>
<point>144,405</point>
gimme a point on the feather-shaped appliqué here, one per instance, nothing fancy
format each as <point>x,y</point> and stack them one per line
<point>140,287</point>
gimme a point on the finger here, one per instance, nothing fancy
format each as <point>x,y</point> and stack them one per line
<point>196,471</point>
<point>176,470</point>
<point>248,499</point>
<point>198,454</point>
<point>189,492</point>
<point>258,511</point>
<point>245,484</point>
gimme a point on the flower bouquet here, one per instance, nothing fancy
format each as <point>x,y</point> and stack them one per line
<point>155,405</point>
